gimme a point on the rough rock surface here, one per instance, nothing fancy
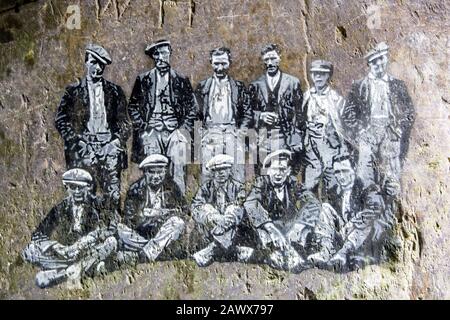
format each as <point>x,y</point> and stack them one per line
<point>39,56</point>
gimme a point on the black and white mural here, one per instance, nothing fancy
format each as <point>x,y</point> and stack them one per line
<point>289,176</point>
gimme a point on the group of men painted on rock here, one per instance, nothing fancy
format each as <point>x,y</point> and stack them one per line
<point>351,154</point>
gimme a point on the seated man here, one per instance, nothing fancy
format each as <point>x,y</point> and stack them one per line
<point>153,211</point>
<point>217,209</point>
<point>73,240</point>
<point>272,207</point>
<point>351,230</point>
<point>365,233</point>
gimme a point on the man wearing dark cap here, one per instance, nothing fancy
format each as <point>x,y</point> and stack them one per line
<point>218,210</point>
<point>225,112</point>
<point>153,215</point>
<point>162,109</point>
<point>276,100</point>
<point>324,137</point>
<point>74,239</point>
<point>379,114</point>
<point>92,120</point>
<point>279,214</point>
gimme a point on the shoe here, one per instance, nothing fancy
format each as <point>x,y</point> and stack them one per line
<point>204,257</point>
<point>47,278</point>
<point>244,253</point>
<point>151,251</point>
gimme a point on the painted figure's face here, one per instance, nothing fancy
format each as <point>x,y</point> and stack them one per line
<point>345,175</point>
<point>94,68</point>
<point>279,172</point>
<point>271,62</point>
<point>155,176</point>
<point>78,192</point>
<point>375,202</point>
<point>221,65</point>
<point>221,175</point>
<point>161,55</point>
<point>320,79</point>
<point>378,66</point>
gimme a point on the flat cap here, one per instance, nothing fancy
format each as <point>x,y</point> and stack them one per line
<point>220,161</point>
<point>282,154</point>
<point>99,53</point>
<point>321,66</point>
<point>380,49</point>
<point>151,47</point>
<point>154,160</point>
<point>77,176</point>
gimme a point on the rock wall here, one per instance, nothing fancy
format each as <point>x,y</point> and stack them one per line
<point>42,50</point>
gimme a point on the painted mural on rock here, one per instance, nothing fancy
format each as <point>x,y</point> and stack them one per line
<point>288,178</point>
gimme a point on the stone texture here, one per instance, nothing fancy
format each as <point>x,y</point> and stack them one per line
<point>39,56</point>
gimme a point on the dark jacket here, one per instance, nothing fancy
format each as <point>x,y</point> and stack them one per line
<point>73,114</point>
<point>264,194</point>
<point>242,111</point>
<point>356,113</point>
<point>290,99</point>
<point>235,194</point>
<point>136,201</point>
<point>58,223</point>
<point>142,104</point>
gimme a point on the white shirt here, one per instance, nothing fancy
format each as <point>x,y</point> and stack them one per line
<point>272,81</point>
<point>77,212</point>
<point>97,113</point>
<point>379,97</point>
<point>280,192</point>
<point>220,111</point>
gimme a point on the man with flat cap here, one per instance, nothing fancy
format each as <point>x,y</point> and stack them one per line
<point>75,238</point>
<point>225,112</point>
<point>379,114</point>
<point>162,109</point>
<point>92,120</point>
<point>218,211</point>
<point>154,215</point>
<point>324,135</point>
<point>279,213</point>
<point>276,100</point>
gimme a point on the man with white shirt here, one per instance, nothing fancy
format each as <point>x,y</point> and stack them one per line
<point>324,136</point>
<point>379,114</point>
<point>75,238</point>
<point>276,100</point>
<point>92,120</point>
<point>153,215</point>
<point>162,109</point>
<point>225,113</point>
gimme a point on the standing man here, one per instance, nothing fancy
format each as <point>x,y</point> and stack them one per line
<point>324,136</point>
<point>92,120</point>
<point>154,214</point>
<point>74,239</point>
<point>276,99</point>
<point>379,115</point>
<point>225,112</point>
<point>218,210</point>
<point>162,109</point>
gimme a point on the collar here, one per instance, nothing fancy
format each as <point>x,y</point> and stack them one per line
<point>165,76</point>
<point>323,93</point>
<point>226,79</point>
<point>385,78</point>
